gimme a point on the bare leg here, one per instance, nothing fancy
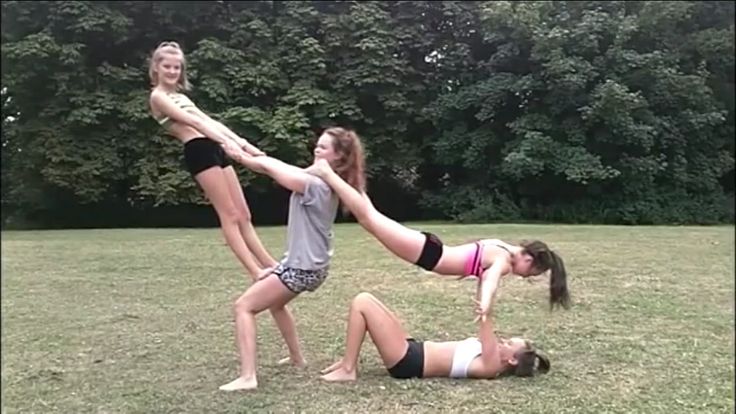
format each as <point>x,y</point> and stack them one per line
<point>282,315</point>
<point>268,293</point>
<point>402,241</point>
<point>214,183</point>
<point>246,225</point>
<point>368,314</point>
<point>285,322</point>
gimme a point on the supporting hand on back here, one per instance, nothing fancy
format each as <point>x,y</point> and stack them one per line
<point>320,168</point>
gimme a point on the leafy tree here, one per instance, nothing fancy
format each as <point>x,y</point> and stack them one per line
<point>584,111</point>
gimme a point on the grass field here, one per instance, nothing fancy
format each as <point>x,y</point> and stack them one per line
<point>139,321</point>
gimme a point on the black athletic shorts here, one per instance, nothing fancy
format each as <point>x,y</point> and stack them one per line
<point>412,364</point>
<point>203,153</point>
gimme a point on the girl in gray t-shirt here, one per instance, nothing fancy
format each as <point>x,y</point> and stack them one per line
<point>304,267</point>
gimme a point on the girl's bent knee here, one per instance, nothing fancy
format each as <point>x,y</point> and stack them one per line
<point>242,305</point>
<point>363,298</point>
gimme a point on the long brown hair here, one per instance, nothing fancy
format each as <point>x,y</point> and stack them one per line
<point>545,259</point>
<point>350,165</point>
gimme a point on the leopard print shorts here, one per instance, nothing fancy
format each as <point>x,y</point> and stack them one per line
<point>299,280</point>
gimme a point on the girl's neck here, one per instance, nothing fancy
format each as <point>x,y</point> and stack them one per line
<point>166,89</point>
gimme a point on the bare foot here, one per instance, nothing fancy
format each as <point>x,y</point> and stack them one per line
<point>340,374</point>
<point>320,168</point>
<point>332,367</point>
<point>240,384</point>
<point>300,363</point>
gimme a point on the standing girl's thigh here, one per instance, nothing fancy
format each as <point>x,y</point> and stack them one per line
<point>215,186</point>
<point>214,183</point>
<point>246,224</point>
<point>266,294</point>
<point>236,191</point>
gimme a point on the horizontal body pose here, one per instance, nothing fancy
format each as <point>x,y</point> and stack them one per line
<point>312,211</point>
<point>482,357</point>
<point>489,260</point>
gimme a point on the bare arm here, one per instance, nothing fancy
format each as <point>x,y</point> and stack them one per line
<point>240,141</point>
<point>170,109</point>
<point>490,280</point>
<point>489,347</point>
<point>287,175</point>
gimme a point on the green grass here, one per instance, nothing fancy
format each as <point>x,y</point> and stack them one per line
<point>139,321</point>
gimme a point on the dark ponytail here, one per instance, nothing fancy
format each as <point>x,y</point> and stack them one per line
<point>558,293</point>
<point>526,360</point>
<point>545,259</point>
<point>543,365</point>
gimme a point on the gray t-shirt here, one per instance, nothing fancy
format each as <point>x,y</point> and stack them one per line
<point>309,232</point>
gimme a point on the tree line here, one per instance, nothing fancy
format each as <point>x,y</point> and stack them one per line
<point>558,111</point>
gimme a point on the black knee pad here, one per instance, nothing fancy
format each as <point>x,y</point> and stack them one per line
<point>431,252</point>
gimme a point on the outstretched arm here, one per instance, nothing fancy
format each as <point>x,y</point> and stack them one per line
<point>490,280</point>
<point>167,106</point>
<point>242,142</point>
<point>489,346</point>
<point>287,175</point>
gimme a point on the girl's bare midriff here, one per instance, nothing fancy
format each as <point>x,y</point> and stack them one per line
<point>183,133</point>
<point>454,257</point>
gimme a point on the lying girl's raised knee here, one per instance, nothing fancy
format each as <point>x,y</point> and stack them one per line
<point>362,298</point>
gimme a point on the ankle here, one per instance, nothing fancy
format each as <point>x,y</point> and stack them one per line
<point>248,376</point>
<point>349,368</point>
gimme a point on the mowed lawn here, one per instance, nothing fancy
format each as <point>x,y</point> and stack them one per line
<point>139,321</point>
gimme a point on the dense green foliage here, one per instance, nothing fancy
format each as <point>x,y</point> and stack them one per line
<point>609,112</point>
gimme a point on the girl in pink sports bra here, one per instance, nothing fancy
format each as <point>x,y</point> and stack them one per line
<point>488,260</point>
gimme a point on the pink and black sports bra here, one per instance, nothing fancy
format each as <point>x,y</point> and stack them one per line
<point>474,262</point>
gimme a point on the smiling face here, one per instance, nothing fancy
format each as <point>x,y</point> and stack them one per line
<point>168,67</point>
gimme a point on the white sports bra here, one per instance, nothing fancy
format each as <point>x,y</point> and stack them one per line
<point>465,353</point>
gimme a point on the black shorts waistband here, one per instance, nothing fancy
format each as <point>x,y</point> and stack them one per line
<point>412,364</point>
